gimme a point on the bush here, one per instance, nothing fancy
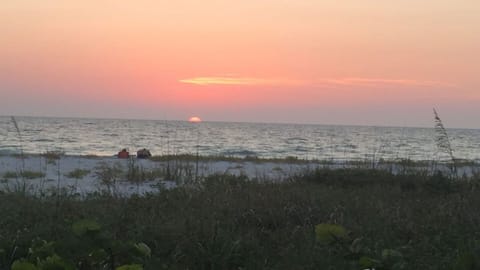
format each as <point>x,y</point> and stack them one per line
<point>24,174</point>
<point>229,222</point>
<point>77,173</point>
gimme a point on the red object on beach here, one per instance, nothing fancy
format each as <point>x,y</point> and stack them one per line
<point>123,154</point>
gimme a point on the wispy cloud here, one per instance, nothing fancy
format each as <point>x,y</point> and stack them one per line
<point>339,82</point>
<point>225,80</point>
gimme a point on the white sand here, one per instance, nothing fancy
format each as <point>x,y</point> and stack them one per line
<point>56,171</point>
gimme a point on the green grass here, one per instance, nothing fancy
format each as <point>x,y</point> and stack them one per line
<point>77,173</point>
<point>10,175</point>
<point>401,221</point>
<point>24,174</point>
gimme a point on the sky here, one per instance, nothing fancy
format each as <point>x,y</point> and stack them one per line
<point>369,62</point>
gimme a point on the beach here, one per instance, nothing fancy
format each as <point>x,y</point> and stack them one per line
<point>82,175</point>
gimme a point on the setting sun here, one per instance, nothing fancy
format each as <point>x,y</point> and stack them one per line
<point>194,119</point>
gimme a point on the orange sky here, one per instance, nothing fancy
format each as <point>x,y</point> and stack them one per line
<point>369,62</point>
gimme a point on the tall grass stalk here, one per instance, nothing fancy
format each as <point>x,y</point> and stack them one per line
<point>22,155</point>
<point>57,202</point>
<point>197,155</point>
<point>443,142</point>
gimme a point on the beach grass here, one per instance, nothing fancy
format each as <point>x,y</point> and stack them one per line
<point>323,219</point>
<point>77,173</point>
<point>24,174</point>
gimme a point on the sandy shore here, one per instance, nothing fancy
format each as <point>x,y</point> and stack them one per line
<point>85,174</point>
<point>45,174</point>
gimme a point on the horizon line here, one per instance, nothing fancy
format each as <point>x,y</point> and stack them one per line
<point>240,122</point>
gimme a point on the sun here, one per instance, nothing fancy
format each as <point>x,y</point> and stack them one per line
<point>194,119</point>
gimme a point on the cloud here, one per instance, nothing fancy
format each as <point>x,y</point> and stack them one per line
<point>325,82</point>
<point>220,80</point>
<point>224,81</point>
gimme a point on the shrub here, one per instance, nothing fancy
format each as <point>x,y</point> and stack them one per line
<point>77,173</point>
<point>9,175</point>
<point>24,174</point>
<point>109,175</point>
<point>32,174</point>
<point>328,233</point>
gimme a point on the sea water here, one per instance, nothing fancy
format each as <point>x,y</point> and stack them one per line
<point>105,137</point>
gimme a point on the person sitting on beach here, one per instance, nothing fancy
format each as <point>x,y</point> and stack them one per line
<point>123,154</point>
<point>143,153</point>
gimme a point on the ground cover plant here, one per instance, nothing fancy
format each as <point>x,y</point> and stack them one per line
<point>77,173</point>
<point>23,174</point>
<point>324,219</point>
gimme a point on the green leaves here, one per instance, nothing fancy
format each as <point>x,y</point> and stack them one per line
<point>391,259</point>
<point>22,265</point>
<point>85,226</point>
<point>42,253</point>
<point>368,263</point>
<point>54,263</point>
<point>98,255</point>
<point>130,267</point>
<point>336,238</point>
<point>467,261</point>
<point>328,233</point>
<point>93,249</point>
<point>41,249</point>
<point>391,255</point>
<point>143,250</point>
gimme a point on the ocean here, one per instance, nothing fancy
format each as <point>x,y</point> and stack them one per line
<point>105,137</point>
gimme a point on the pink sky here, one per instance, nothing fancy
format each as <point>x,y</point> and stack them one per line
<point>370,62</point>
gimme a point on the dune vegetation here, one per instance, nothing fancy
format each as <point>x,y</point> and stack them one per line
<point>323,219</point>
